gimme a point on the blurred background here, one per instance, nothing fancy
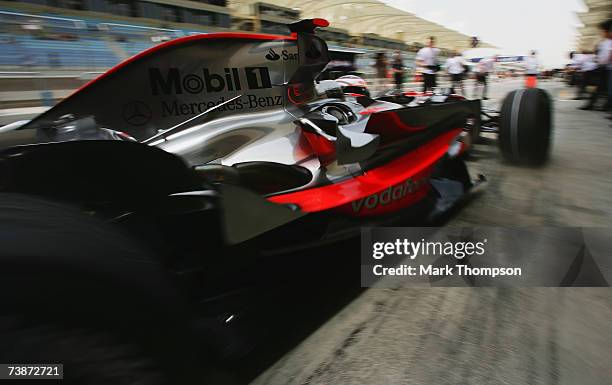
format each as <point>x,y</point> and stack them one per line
<point>48,48</point>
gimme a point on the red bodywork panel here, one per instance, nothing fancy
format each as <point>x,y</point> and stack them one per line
<point>390,127</point>
<point>408,173</point>
<point>325,149</point>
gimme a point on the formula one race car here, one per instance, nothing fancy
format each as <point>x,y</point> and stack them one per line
<point>207,152</point>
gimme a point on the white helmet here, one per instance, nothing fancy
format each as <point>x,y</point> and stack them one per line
<point>352,84</point>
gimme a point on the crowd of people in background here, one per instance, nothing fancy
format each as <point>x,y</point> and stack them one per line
<point>428,67</point>
<point>589,71</point>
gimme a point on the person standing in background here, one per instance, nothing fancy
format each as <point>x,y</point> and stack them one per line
<point>427,59</point>
<point>455,67</point>
<point>604,62</point>
<point>483,69</point>
<point>575,72</point>
<point>587,71</point>
<point>398,70</point>
<point>380,66</point>
<point>532,69</point>
<point>598,76</point>
<point>607,27</point>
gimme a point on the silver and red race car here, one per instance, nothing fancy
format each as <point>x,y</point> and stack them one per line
<point>211,145</point>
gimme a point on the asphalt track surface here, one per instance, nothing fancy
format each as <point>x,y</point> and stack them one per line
<point>329,331</point>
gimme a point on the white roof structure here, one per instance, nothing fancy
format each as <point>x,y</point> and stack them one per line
<point>589,34</point>
<point>372,16</point>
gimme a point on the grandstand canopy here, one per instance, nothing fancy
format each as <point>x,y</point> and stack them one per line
<point>372,17</point>
<point>589,34</point>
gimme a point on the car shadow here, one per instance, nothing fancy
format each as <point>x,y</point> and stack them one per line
<point>305,290</point>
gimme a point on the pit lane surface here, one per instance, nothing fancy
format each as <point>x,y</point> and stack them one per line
<point>469,335</point>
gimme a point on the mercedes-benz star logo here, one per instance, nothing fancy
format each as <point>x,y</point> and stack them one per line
<point>137,113</point>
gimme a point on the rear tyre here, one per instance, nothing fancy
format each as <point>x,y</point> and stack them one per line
<point>525,126</point>
<point>77,291</point>
<point>89,357</point>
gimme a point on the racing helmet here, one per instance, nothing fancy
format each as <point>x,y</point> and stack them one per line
<point>352,84</point>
